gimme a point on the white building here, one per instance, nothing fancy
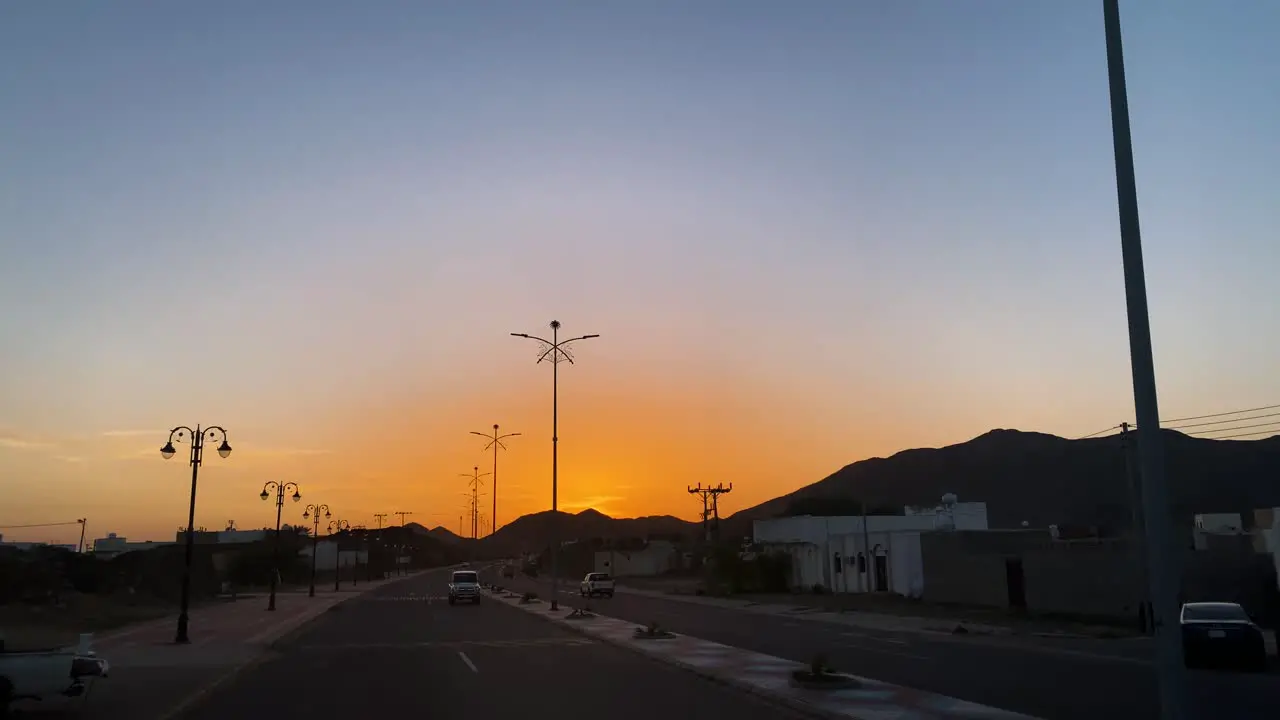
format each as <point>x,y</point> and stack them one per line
<point>880,553</point>
<point>113,545</point>
<point>328,557</point>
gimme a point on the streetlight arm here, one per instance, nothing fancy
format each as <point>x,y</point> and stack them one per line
<point>176,433</point>
<point>532,337</point>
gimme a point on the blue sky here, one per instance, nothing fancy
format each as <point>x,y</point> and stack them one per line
<point>879,224</point>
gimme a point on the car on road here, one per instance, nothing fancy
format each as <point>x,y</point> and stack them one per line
<point>464,585</point>
<point>596,584</point>
<point>1221,633</point>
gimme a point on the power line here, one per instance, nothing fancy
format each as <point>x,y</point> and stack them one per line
<point>1096,434</point>
<point>1222,422</point>
<point>39,525</point>
<point>1221,414</point>
<point>1272,431</point>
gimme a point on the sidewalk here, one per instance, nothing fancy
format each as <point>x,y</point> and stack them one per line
<point>869,620</point>
<point>769,676</point>
<point>154,679</point>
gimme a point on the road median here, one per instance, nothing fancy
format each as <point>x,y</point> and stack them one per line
<point>756,673</point>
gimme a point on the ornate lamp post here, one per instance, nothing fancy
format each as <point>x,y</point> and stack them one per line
<point>312,512</point>
<point>278,489</point>
<point>197,438</point>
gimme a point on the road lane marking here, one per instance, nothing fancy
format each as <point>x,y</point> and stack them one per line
<point>467,660</point>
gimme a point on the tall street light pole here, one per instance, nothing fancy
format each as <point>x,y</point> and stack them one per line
<point>312,512</point>
<point>278,489</point>
<point>495,442</point>
<point>555,351</point>
<point>336,528</point>
<point>197,438</point>
<point>473,487</point>
<point>1163,570</point>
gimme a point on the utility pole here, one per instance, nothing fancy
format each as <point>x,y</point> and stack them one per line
<point>383,516</point>
<point>82,522</point>
<point>1139,528</point>
<point>711,507</point>
<point>1163,568</point>
<point>402,513</point>
<point>473,483</point>
<point>495,442</point>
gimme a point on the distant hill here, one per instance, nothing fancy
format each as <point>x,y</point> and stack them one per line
<point>1044,479</point>
<point>531,532</point>
<point>438,532</point>
<point>1022,476</point>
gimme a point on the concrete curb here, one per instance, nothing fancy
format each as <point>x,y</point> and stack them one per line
<point>792,704</point>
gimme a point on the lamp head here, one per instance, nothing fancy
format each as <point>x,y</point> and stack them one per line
<point>168,451</point>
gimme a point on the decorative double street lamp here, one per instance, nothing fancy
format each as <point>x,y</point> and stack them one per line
<point>196,438</point>
<point>555,351</point>
<point>278,489</point>
<point>312,512</point>
<point>337,526</point>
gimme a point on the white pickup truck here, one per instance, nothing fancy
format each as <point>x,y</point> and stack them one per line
<point>596,584</point>
<point>46,674</point>
<point>464,585</point>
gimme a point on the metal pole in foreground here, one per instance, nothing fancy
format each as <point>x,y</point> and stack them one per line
<point>1162,566</point>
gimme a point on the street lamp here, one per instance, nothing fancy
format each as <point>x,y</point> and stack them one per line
<point>1162,566</point>
<point>312,512</point>
<point>555,351</point>
<point>495,442</point>
<point>473,483</point>
<point>196,438</point>
<point>278,489</point>
<point>337,526</point>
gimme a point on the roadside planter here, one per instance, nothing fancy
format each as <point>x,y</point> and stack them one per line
<point>821,676</point>
<point>652,632</point>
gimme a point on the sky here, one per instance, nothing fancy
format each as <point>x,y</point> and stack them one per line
<point>806,233</point>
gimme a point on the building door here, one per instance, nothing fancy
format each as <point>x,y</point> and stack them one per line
<point>1016,582</point>
<point>882,570</point>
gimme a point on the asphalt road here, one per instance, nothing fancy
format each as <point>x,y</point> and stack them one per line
<point>1054,680</point>
<point>416,657</point>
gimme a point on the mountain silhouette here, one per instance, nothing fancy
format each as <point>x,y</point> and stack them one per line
<point>1027,477</point>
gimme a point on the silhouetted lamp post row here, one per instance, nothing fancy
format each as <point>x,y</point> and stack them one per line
<point>337,527</point>
<point>312,513</point>
<point>555,351</point>
<point>278,489</point>
<point>197,439</point>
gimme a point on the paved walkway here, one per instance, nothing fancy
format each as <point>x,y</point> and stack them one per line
<point>768,675</point>
<point>152,678</point>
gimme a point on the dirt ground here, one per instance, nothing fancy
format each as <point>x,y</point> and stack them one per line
<point>36,627</point>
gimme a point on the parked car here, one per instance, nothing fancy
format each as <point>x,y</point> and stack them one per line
<point>42,674</point>
<point>1221,633</point>
<point>464,585</point>
<point>596,584</point>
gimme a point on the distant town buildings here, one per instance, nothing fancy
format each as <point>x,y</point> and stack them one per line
<point>33,545</point>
